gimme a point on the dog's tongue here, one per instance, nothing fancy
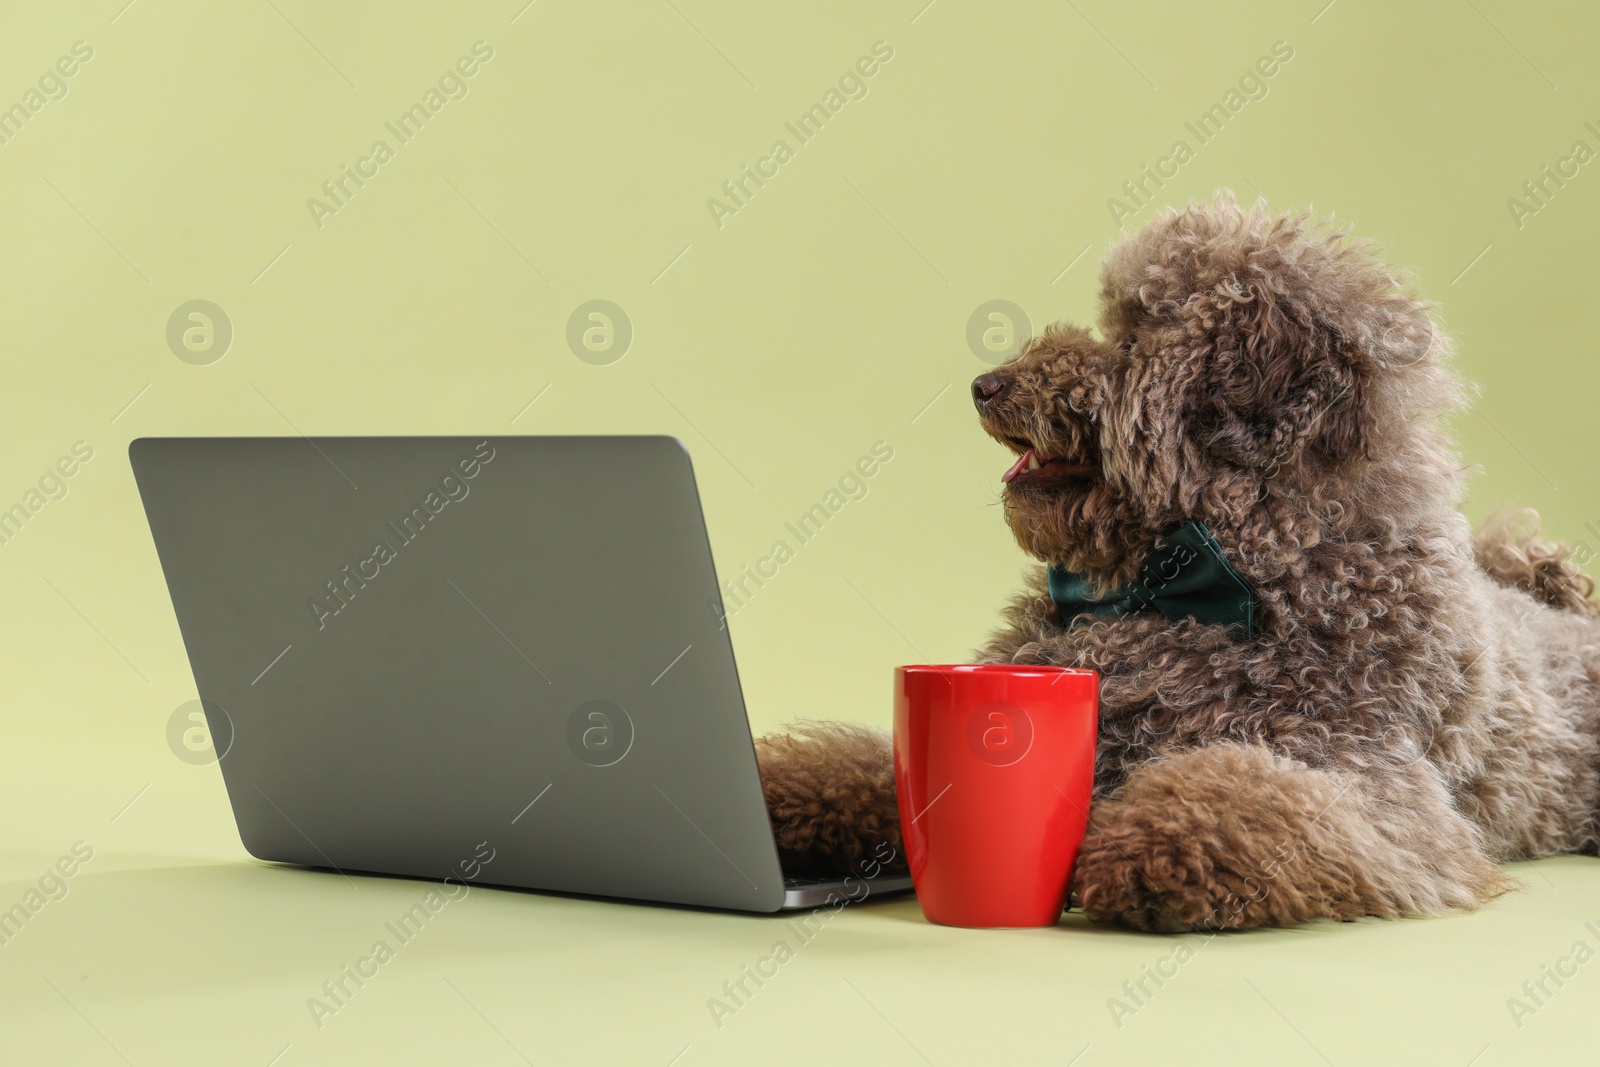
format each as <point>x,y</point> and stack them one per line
<point>1018,467</point>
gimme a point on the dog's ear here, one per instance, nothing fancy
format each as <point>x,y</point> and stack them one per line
<point>1278,328</point>
<point>1274,385</point>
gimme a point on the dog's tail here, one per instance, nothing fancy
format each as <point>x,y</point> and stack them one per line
<point>1510,550</point>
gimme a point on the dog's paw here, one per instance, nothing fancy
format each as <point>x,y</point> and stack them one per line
<point>1217,838</point>
<point>1233,837</point>
<point>829,788</point>
<point>1153,882</point>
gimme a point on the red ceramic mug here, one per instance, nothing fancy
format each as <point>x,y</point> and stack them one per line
<point>993,769</point>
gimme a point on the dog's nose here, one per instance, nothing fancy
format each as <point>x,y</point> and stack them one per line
<point>988,387</point>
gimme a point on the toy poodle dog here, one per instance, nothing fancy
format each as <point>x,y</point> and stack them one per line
<point>1321,697</point>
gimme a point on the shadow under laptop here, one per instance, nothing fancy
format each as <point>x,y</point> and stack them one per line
<point>861,896</point>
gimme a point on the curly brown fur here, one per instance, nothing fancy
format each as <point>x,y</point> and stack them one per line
<point>1234,836</point>
<point>1411,710</point>
<point>1513,554</point>
<point>829,789</point>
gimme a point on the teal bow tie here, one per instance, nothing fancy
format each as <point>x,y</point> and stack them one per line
<point>1185,575</point>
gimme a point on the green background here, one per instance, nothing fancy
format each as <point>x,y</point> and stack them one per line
<point>831,312</point>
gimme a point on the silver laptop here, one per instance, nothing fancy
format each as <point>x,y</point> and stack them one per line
<point>415,652</point>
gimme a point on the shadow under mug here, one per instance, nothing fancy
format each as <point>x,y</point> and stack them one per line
<point>993,770</point>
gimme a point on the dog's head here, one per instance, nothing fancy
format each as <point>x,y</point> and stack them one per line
<point>1252,371</point>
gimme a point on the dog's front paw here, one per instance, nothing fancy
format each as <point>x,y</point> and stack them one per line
<point>829,788</point>
<point>1232,837</point>
<point>1142,878</point>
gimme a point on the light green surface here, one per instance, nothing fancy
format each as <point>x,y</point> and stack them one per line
<point>828,314</point>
